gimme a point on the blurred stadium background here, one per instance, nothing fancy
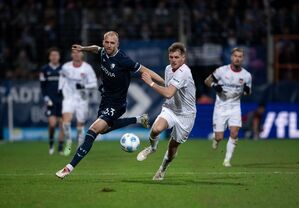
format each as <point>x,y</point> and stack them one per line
<point>268,30</point>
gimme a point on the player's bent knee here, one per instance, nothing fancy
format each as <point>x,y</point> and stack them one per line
<point>218,138</point>
<point>157,129</point>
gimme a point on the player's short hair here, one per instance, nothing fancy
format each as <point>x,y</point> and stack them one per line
<point>177,46</point>
<point>241,50</point>
<point>111,33</point>
<point>50,50</point>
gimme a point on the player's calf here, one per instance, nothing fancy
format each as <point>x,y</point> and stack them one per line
<point>215,143</point>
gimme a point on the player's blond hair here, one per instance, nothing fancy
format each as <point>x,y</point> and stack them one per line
<point>241,50</point>
<point>111,33</point>
<point>177,46</point>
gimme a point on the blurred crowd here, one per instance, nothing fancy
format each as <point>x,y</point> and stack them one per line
<point>30,27</point>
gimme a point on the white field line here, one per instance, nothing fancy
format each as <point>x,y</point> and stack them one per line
<point>150,173</point>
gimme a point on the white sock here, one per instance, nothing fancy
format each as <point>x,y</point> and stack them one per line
<point>154,142</point>
<point>70,167</point>
<point>230,147</point>
<point>67,133</point>
<point>166,161</point>
<point>80,132</point>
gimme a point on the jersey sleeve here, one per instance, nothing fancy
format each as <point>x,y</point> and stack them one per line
<point>43,82</point>
<point>217,73</point>
<point>91,81</point>
<point>127,63</point>
<point>100,49</point>
<point>100,53</point>
<point>249,81</point>
<point>62,79</point>
<point>178,80</point>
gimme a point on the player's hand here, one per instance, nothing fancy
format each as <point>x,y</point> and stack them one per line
<point>77,47</point>
<point>79,86</point>
<point>48,101</point>
<point>146,77</point>
<point>246,89</point>
<point>217,87</point>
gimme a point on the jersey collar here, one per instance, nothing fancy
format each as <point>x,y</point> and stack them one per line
<point>113,54</point>
<point>53,66</point>
<point>233,68</point>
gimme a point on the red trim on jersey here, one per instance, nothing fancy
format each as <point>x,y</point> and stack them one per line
<point>233,68</point>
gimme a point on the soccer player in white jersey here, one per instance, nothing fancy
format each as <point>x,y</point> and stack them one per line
<point>179,109</point>
<point>76,78</point>
<point>230,82</point>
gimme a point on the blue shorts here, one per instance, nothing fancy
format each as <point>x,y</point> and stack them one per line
<point>54,110</point>
<point>110,113</point>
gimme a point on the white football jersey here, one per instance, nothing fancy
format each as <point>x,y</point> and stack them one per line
<point>70,76</point>
<point>183,101</point>
<point>232,83</point>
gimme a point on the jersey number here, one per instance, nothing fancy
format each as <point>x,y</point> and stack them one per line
<point>109,111</point>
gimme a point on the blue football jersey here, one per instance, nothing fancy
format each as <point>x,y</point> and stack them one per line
<point>116,76</point>
<point>49,78</point>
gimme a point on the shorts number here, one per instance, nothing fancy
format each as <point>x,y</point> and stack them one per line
<point>109,111</point>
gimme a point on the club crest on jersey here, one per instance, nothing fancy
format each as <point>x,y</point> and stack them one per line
<point>82,75</point>
<point>241,81</point>
<point>112,66</point>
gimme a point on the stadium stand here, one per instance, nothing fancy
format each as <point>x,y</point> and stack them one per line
<point>29,28</point>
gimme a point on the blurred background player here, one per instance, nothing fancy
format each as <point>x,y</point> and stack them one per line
<point>76,79</point>
<point>252,122</point>
<point>178,111</point>
<point>115,67</point>
<point>49,76</point>
<point>230,82</point>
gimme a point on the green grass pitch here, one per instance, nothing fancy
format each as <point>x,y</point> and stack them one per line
<point>264,174</point>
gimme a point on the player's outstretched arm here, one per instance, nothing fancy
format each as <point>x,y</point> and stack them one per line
<point>209,80</point>
<point>166,92</point>
<point>153,75</point>
<point>92,48</point>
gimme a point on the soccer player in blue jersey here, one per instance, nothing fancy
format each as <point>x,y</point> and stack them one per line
<point>49,76</point>
<point>115,68</point>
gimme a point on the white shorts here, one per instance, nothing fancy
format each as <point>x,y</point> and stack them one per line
<point>77,107</point>
<point>181,124</point>
<point>223,118</point>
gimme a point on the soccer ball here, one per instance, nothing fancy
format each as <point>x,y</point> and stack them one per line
<point>129,142</point>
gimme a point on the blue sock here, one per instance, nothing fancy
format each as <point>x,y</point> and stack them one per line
<point>60,146</point>
<point>84,148</point>
<point>121,122</point>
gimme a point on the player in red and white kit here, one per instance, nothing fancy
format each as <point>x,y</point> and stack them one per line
<point>230,82</point>
<point>178,111</point>
<point>76,79</point>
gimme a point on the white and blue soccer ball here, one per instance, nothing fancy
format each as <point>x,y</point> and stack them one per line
<point>129,142</point>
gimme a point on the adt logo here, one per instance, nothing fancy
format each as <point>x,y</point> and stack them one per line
<point>284,122</point>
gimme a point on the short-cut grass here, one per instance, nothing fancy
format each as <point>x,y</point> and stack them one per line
<point>264,174</point>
